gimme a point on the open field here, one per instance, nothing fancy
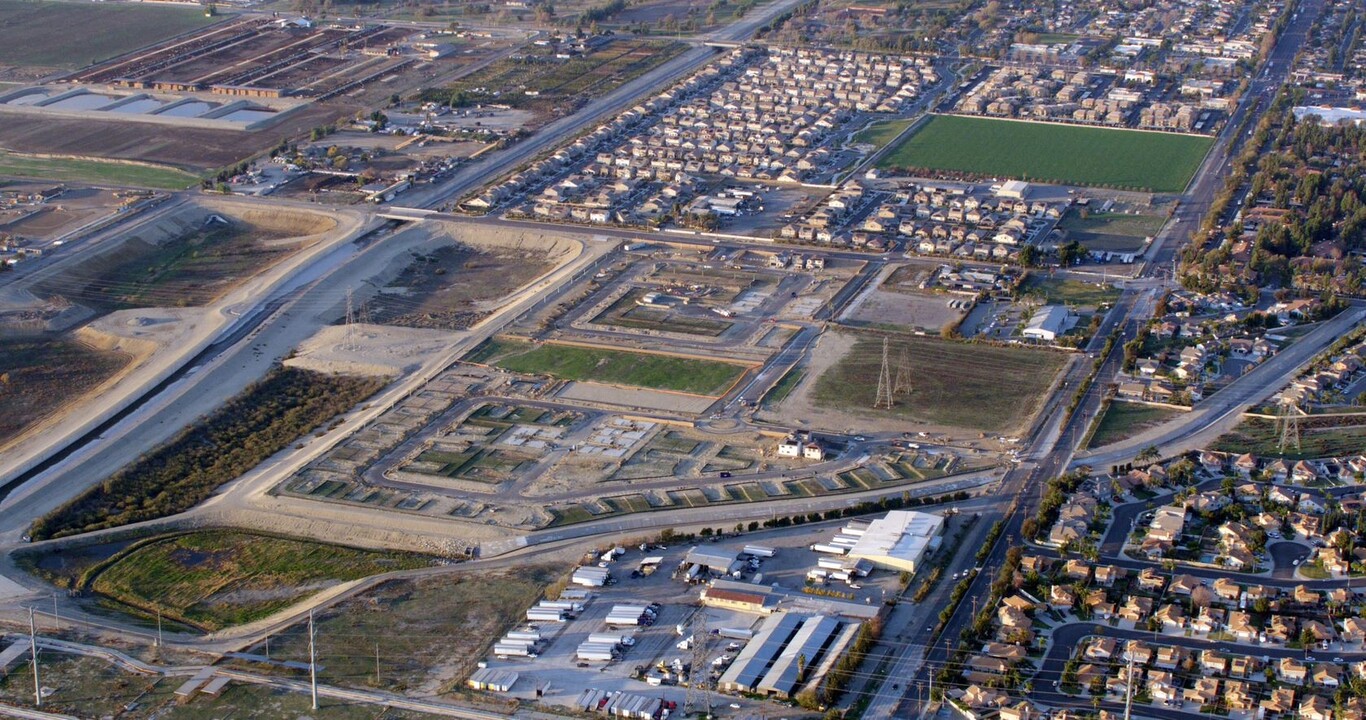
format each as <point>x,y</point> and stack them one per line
<point>219,578</point>
<point>1326,437</point>
<point>39,375</point>
<point>540,82</point>
<point>94,172</point>
<point>1052,38</point>
<point>567,362</point>
<point>1111,231</point>
<point>445,288</point>
<point>958,384</point>
<point>881,133</point>
<point>430,633</point>
<point>1044,152</point>
<point>259,422</point>
<point>1073,293</point>
<point>1123,420</point>
<point>40,34</point>
<point>91,687</point>
<point>189,260</point>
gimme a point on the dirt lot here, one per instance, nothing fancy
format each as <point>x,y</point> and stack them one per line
<point>72,208</point>
<point>450,287</point>
<point>897,303</point>
<point>193,149</point>
<point>40,374</point>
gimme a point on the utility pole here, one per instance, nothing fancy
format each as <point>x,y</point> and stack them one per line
<point>1129,688</point>
<point>159,638</point>
<point>312,662</point>
<point>33,653</point>
<point>377,663</point>
<point>56,622</point>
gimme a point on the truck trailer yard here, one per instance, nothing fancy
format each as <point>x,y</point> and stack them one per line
<point>632,635</point>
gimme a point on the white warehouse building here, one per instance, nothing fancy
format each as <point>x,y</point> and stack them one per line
<point>899,540</point>
<point>1047,323</point>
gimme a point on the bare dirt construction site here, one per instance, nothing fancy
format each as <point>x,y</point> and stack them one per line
<point>85,323</point>
<point>898,303</point>
<point>453,286</point>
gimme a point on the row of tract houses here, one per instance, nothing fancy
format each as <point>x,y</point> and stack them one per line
<point>759,114</point>
<point>1155,601</point>
<point>1094,98</point>
<point>958,221</point>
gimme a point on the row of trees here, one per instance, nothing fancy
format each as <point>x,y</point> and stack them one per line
<point>261,421</point>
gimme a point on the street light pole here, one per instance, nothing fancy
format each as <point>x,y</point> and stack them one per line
<point>312,662</point>
<point>33,653</point>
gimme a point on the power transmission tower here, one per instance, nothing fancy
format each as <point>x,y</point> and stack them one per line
<point>1289,423</point>
<point>884,381</point>
<point>903,374</point>
<point>699,687</point>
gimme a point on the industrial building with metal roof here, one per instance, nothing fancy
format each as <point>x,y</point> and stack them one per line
<point>899,540</point>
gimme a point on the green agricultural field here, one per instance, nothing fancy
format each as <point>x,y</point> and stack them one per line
<point>219,578</point>
<point>1075,293</point>
<point>568,362</point>
<point>1123,420</point>
<point>48,34</point>
<point>94,172</point>
<point>958,384</point>
<point>1047,152</point>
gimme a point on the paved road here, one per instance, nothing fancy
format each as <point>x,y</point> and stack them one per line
<point>1221,411</point>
